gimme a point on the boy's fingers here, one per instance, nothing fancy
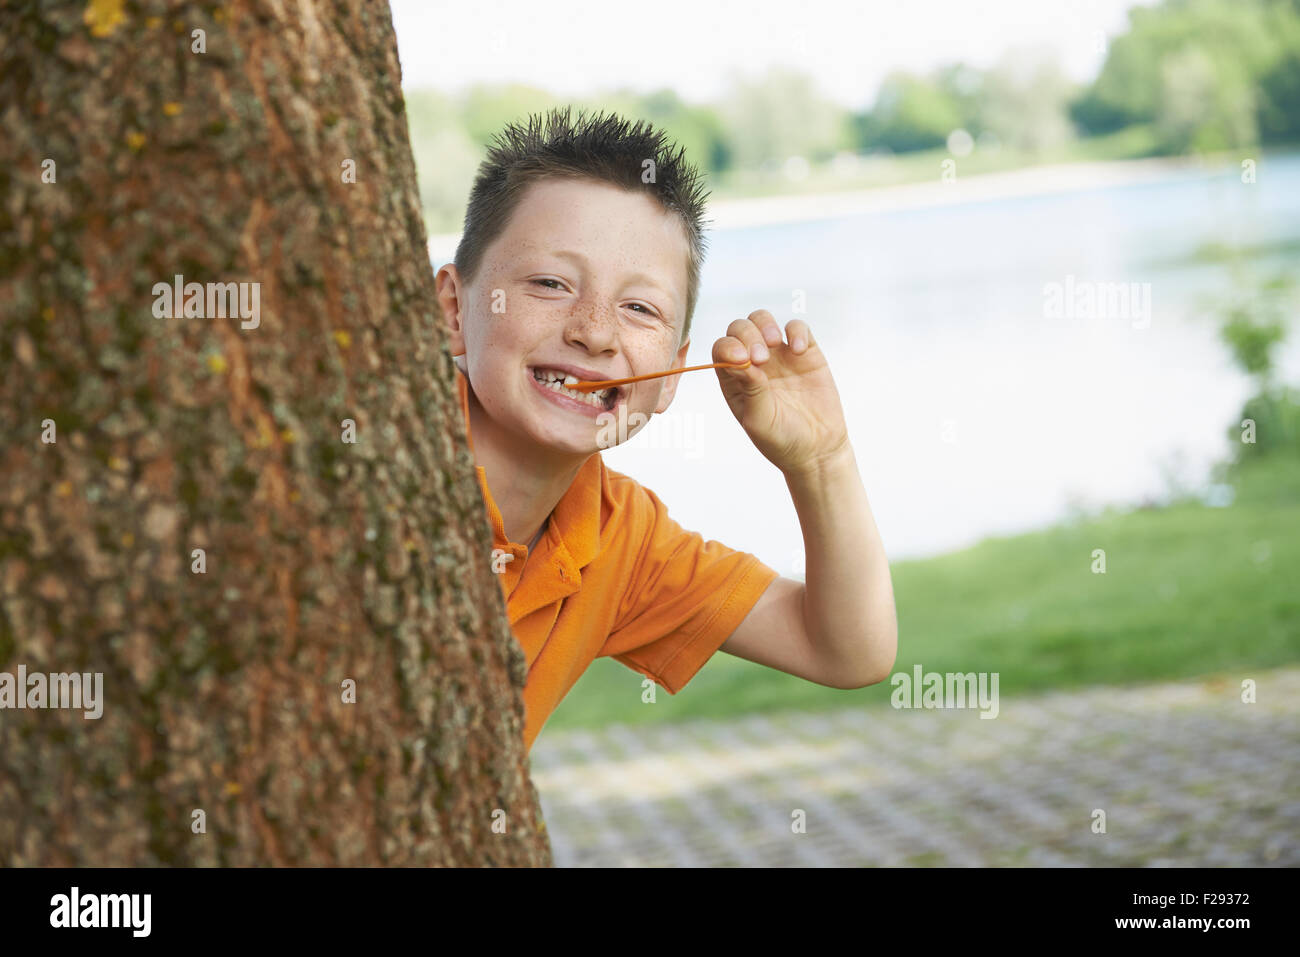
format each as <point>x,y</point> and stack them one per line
<point>748,333</point>
<point>749,380</point>
<point>767,327</point>
<point>798,335</point>
<point>729,349</point>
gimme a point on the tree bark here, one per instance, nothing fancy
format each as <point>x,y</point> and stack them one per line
<point>324,561</point>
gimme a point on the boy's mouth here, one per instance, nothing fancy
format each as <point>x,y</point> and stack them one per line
<point>558,379</point>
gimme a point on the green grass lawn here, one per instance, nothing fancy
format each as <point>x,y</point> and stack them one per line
<point>1189,590</point>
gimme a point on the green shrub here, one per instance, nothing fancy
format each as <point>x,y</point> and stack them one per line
<point>1275,417</point>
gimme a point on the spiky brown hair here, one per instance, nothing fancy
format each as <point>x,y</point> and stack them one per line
<point>603,148</point>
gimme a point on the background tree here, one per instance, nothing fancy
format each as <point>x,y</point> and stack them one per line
<point>780,114</point>
<point>1024,102</point>
<point>910,113</point>
<point>251,142</point>
<point>1206,74</point>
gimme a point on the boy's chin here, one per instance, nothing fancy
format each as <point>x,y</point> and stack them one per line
<point>580,438</point>
<point>574,442</point>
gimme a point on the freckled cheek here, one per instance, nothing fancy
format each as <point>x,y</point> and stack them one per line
<point>643,362</point>
<point>652,394</point>
<point>504,332</point>
<point>523,321</point>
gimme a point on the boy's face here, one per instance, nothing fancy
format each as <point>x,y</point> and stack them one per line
<point>586,278</point>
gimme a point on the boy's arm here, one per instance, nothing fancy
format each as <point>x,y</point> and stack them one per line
<point>839,629</point>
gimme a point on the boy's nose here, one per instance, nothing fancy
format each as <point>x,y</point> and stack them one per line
<point>592,327</point>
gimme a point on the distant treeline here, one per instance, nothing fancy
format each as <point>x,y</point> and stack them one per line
<point>1193,75</point>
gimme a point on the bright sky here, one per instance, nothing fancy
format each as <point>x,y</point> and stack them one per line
<point>575,47</point>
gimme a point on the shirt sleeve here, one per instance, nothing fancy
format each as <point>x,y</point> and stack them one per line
<point>685,596</point>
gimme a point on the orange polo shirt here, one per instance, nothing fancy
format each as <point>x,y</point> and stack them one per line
<point>614,575</point>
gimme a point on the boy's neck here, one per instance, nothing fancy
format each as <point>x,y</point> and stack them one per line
<point>526,488</point>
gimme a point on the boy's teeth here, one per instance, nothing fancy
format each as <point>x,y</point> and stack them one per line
<point>556,382</point>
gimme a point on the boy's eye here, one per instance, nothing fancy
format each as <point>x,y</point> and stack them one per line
<point>559,285</point>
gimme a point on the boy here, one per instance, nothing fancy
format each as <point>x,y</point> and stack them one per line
<point>581,258</point>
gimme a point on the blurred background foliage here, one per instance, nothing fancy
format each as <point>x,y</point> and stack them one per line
<point>1186,76</point>
<point>1253,323</point>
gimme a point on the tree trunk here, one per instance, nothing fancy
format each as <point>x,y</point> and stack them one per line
<point>270,148</point>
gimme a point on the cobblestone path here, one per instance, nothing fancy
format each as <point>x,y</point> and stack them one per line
<point>1186,773</point>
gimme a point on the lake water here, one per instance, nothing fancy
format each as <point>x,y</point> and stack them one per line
<point>973,409</point>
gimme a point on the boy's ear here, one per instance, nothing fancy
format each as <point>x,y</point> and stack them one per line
<point>451,300</point>
<point>670,389</point>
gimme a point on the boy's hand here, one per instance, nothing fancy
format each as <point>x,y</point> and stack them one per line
<point>785,400</point>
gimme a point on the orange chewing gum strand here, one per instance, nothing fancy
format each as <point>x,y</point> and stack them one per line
<point>607,383</point>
